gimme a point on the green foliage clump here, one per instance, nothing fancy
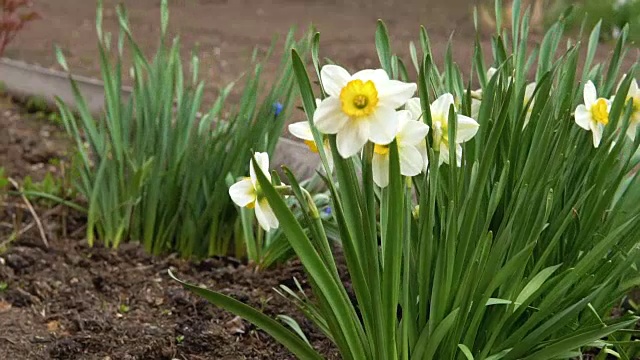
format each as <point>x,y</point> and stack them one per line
<point>525,250</point>
<point>614,15</point>
<point>154,169</point>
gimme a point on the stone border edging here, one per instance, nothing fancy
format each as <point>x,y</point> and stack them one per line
<point>25,80</point>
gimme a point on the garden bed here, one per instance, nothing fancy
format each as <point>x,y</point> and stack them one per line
<point>71,301</point>
<point>74,302</point>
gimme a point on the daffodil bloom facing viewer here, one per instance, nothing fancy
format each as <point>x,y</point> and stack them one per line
<point>410,140</point>
<point>247,193</point>
<point>466,128</point>
<point>593,115</point>
<point>360,107</point>
<point>302,130</point>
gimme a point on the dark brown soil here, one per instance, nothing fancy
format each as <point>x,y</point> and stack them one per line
<point>71,301</point>
<point>28,142</point>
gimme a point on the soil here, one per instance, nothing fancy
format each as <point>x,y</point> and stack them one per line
<point>71,301</point>
<point>28,142</point>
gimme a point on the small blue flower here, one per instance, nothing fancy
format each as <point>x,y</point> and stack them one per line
<point>327,211</point>
<point>277,108</point>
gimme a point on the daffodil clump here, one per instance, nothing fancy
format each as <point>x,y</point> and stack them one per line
<point>155,167</point>
<point>474,224</point>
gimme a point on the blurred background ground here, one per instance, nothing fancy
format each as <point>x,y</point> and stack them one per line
<point>226,31</point>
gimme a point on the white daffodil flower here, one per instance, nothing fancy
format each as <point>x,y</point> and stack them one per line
<point>414,107</point>
<point>360,107</point>
<point>411,147</point>
<point>528,97</point>
<point>634,120</point>
<point>476,95</point>
<point>475,108</point>
<point>593,115</point>
<point>247,193</point>
<point>302,130</point>
<point>466,128</point>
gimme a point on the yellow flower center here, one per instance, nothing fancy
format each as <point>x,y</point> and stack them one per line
<point>445,132</point>
<point>311,145</point>
<point>359,98</point>
<point>381,149</point>
<point>636,104</point>
<point>252,204</point>
<point>599,112</point>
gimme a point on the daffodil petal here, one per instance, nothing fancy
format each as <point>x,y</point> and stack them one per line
<point>597,131</point>
<point>527,117</point>
<point>440,107</point>
<point>467,128</point>
<point>458,155</point>
<point>263,162</point>
<point>412,132</point>
<point>334,78</point>
<point>378,76</point>
<point>327,151</point>
<point>413,105</point>
<point>394,93</point>
<point>301,130</point>
<point>422,148</point>
<point>383,125</point>
<point>583,117</point>
<point>328,117</point>
<point>242,193</point>
<point>352,137</point>
<point>632,130</point>
<point>528,91</point>
<point>266,218</point>
<point>492,71</point>
<point>590,93</point>
<point>411,162</point>
<point>633,89</point>
<point>444,154</point>
<point>475,108</point>
<point>380,169</point>
<point>404,116</point>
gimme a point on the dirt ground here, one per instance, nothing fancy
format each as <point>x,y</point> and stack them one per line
<point>225,32</point>
<point>69,301</point>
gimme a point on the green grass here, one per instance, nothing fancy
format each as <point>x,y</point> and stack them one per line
<point>614,16</point>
